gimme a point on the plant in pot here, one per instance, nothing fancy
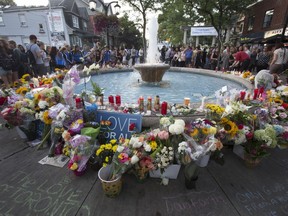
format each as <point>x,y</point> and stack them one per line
<point>98,92</point>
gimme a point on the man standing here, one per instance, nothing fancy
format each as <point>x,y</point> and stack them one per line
<point>38,67</point>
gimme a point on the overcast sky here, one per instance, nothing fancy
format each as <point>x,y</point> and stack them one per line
<point>31,2</point>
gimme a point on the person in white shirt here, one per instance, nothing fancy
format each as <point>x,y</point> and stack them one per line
<point>280,57</point>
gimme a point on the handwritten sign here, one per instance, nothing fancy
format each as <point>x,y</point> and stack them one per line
<point>270,200</point>
<point>26,194</point>
<point>120,124</point>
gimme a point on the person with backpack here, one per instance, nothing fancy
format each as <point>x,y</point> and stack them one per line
<point>6,63</point>
<point>24,67</point>
<point>35,55</point>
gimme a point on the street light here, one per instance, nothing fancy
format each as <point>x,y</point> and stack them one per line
<point>92,6</point>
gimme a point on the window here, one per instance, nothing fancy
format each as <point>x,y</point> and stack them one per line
<point>75,21</point>
<point>22,20</point>
<point>251,22</point>
<point>268,18</point>
<point>1,18</point>
<point>84,26</point>
<point>41,29</point>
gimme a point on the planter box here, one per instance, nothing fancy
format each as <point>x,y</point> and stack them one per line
<point>239,151</point>
<point>170,172</point>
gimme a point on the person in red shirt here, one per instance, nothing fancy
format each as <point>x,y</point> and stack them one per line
<point>242,60</point>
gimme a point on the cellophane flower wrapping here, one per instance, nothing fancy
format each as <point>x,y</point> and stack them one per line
<point>81,150</point>
<point>71,79</point>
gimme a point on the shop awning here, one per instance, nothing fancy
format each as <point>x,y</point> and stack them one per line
<point>252,37</point>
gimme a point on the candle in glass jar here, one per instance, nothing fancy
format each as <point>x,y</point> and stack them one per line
<point>255,94</point>
<point>111,99</point>
<point>164,107</point>
<point>118,100</point>
<point>261,90</point>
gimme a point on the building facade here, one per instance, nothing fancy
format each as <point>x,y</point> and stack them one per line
<point>264,22</point>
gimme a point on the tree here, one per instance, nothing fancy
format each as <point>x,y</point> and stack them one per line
<point>174,16</point>
<point>4,3</point>
<point>129,33</point>
<point>219,12</point>
<point>143,6</point>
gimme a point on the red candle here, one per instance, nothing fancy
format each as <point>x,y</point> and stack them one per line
<point>255,94</point>
<point>118,100</point>
<point>164,107</point>
<point>242,95</point>
<point>111,99</point>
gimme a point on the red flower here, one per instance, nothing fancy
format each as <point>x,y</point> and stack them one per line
<point>285,105</point>
<point>249,136</point>
<point>132,126</point>
<point>2,100</point>
<point>240,126</point>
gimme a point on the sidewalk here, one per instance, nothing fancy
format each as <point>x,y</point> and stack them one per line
<point>29,188</point>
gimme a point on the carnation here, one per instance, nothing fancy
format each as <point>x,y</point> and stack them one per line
<point>43,104</point>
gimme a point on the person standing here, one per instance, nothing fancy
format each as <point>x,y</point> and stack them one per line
<point>133,55</point>
<point>16,55</point>
<point>141,55</point>
<point>38,68</point>
<point>6,63</point>
<point>188,56</point>
<point>46,58</point>
<point>77,55</point>
<point>280,56</point>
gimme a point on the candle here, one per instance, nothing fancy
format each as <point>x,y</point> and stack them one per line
<point>78,103</point>
<point>118,100</point>
<point>261,90</point>
<point>164,107</point>
<point>203,102</point>
<point>242,95</point>
<point>111,99</point>
<point>141,104</point>
<point>255,94</point>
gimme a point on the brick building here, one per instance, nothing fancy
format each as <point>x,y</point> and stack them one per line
<point>264,22</point>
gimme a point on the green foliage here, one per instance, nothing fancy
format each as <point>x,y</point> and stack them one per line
<point>219,13</point>
<point>171,20</point>
<point>4,3</point>
<point>98,91</point>
<point>129,33</point>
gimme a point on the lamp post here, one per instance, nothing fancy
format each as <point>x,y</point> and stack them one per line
<point>92,6</point>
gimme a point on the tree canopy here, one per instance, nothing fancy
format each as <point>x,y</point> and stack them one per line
<point>218,12</point>
<point>4,3</point>
<point>129,34</point>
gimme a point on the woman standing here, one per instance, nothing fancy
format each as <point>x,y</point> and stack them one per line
<point>280,56</point>
<point>6,63</point>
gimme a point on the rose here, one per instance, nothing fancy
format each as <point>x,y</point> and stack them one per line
<point>132,126</point>
<point>249,136</point>
<point>283,115</point>
<point>163,135</point>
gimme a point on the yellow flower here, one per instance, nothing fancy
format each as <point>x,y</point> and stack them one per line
<point>212,130</point>
<point>74,166</point>
<point>25,76</point>
<point>104,164</point>
<point>46,118</point>
<point>108,146</point>
<point>114,148</point>
<point>113,141</point>
<point>194,133</point>
<point>153,145</point>
<point>106,159</point>
<point>22,90</point>
<point>231,128</point>
<point>98,152</point>
<point>205,131</point>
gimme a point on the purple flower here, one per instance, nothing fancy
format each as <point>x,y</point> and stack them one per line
<point>74,74</point>
<point>283,115</point>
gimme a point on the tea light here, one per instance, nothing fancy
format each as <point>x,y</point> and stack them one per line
<point>186,101</point>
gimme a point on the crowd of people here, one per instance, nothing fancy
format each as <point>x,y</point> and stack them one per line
<point>39,59</point>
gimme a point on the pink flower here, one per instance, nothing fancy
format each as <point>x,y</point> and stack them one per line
<point>283,115</point>
<point>163,135</point>
<point>123,157</point>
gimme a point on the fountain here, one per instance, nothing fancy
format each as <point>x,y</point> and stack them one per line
<point>152,71</point>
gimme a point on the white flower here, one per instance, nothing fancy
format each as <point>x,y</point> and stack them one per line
<point>178,129</point>
<point>147,147</point>
<point>134,159</point>
<point>165,121</point>
<point>180,122</point>
<point>170,148</point>
<point>120,148</point>
<point>172,129</point>
<point>43,104</point>
<point>61,115</point>
<point>85,69</point>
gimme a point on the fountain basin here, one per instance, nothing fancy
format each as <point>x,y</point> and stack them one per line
<point>152,72</point>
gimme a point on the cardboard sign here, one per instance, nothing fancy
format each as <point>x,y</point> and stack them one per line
<point>120,124</point>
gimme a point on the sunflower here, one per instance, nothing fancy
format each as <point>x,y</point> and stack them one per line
<point>16,84</point>
<point>194,133</point>
<point>230,128</point>
<point>22,90</point>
